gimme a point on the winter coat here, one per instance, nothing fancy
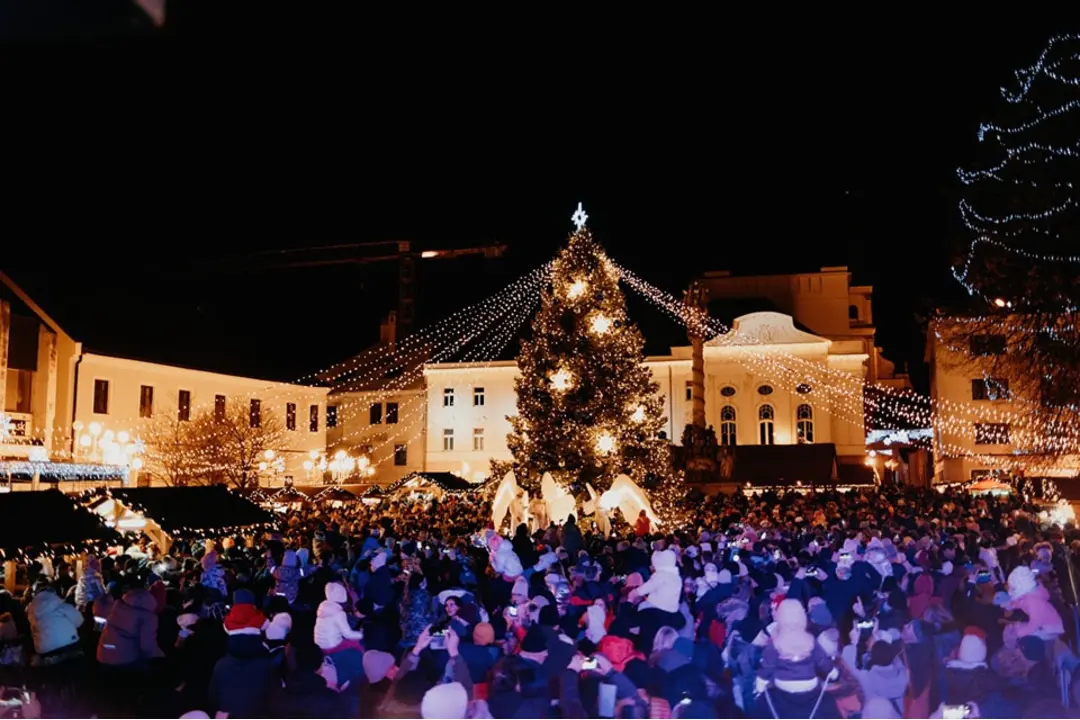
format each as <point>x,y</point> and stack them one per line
<point>813,704</point>
<point>240,685</point>
<point>287,582</point>
<point>130,635</point>
<point>889,682</point>
<point>53,622</point>
<point>1043,619</point>
<point>332,626</point>
<point>664,589</point>
<point>90,588</point>
<point>306,695</point>
<point>415,613</point>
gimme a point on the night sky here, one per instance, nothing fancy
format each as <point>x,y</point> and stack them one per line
<point>140,159</point>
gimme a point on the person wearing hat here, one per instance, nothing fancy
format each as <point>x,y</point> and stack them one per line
<point>241,681</point>
<point>332,629</point>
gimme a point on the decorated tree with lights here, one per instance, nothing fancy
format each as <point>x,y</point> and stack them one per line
<point>1021,265</point>
<point>235,443</point>
<point>174,453</point>
<point>588,408</point>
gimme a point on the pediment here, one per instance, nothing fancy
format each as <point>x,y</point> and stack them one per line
<point>765,328</point>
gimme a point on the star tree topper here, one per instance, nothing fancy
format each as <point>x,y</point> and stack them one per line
<point>579,217</point>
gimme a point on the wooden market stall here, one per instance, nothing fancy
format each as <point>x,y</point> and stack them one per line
<point>165,514</point>
<point>427,486</point>
<point>334,496</point>
<point>45,521</point>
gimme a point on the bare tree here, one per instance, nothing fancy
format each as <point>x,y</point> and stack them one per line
<point>237,441</point>
<point>174,452</point>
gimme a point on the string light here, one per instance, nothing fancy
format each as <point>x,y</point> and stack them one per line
<point>63,471</point>
<point>562,380</point>
<point>1026,200</point>
<point>601,324</point>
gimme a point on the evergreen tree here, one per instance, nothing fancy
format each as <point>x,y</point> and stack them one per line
<point>588,409</point>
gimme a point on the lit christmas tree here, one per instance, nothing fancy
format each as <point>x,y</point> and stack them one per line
<point>588,408</point>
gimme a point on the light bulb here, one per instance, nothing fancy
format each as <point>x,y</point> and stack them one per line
<point>576,289</point>
<point>605,443</point>
<point>601,324</point>
<point>562,380</point>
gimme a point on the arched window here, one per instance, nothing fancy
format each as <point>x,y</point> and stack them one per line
<point>727,425</point>
<point>804,424</point>
<point>765,415</point>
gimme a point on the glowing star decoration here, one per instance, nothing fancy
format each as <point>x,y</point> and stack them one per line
<point>579,218</point>
<point>562,380</point>
<point>605,443</point>
<point>576,289</point>
<point>639,414</point>
<point>601,324</point>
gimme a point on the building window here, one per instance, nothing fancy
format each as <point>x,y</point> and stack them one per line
<point>478,439</point>
<point>991,433</point>
<point>478,397</point>
<point>804,424</point>
<point>448,397</point>
<point>146,401</point>
<point>448,440</point>
<point>313,418</point>
<point>290,416</point>
<point>101,397</point>
<point>853,312</point>
<point>401,455</point>
<point>183,406</point>
<point>984,345</point>
<point>764,389</point>
<point>727,391</point>
<point>803,388</point>
<point>766,416</point>
<point>391,413</point>
<point>219,408</point>
<point>375,414</point>
<point>990,389</point>
<point>689,390</point>
<point>331,416</point>
<point>727,425</point>
<point>255,413</point>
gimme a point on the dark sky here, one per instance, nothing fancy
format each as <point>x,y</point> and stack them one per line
<point>140,159</point>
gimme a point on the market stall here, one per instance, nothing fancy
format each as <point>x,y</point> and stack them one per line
<point>335,496</point>
<point>45,522</point>
<point>420,486</point>
<point>168,514</point>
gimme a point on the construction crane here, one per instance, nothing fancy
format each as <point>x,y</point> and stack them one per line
<point>365,254</point>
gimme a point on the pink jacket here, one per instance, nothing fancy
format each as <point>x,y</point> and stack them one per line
<point>1043,618</point>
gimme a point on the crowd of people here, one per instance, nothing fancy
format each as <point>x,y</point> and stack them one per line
<point>877,604</point>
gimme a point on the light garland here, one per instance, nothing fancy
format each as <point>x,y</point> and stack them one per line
<point>1035,177</point>
<point>64,471</point>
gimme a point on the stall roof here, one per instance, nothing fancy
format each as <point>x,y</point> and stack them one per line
<point>179,509</point>
<point>47,517</point>
<point>448,482</point>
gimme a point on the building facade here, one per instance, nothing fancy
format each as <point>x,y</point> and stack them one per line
<point>747,401</point>
<point>975,403</point>
<point>382,429</point>
<point>68,411</point>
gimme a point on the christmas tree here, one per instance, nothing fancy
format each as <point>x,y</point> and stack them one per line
<point>588,408</point>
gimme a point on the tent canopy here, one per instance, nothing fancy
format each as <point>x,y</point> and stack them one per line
<point>47,517</point>
<point>193,510</point>
<point>437,483</point>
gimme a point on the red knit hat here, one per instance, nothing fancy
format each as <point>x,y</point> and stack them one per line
<point>244,619</point>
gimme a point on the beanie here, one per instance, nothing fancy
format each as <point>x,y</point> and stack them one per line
<point>445,701</point>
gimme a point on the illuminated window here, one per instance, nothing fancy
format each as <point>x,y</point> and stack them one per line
<point>804,424</point>
<point>727,425</point>
<point>766,416</point>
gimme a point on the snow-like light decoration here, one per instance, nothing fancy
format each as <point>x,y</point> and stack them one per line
<point>605,443</point>
<point>64,471</point>
<point>600,324</point>
<point>562,380</point>
<point>1038,168</point>
<point>576,289</point>
<point>579,218</point>
<point>639,414</point>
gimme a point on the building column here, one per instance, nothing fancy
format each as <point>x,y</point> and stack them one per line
<point>5,339</point>
<point>43,398</point>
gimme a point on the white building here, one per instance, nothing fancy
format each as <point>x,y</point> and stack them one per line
<point>468,403</point>
<point>123,395</point>
<point>386,427</point>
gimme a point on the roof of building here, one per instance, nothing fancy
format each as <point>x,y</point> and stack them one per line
<point>781,465</point>
<point>446,481</point>
<point>727,310</point>
<point>188,510</point>
<point>47,517</point>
